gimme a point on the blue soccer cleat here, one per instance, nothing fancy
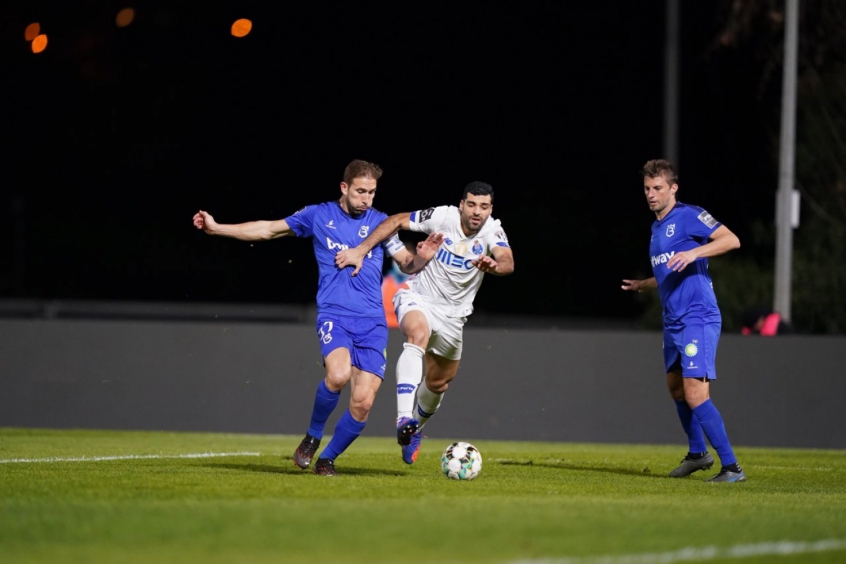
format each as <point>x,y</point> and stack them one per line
<point>406,427</point>
<point>412,449</point>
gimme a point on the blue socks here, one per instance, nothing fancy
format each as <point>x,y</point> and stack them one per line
<point>325,402</point>
<point>346,431</point>
<point>695,437</point>
<point>714,428</point>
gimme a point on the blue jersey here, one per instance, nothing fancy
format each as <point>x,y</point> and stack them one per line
<point>689,292</point>
<point>331,230</point>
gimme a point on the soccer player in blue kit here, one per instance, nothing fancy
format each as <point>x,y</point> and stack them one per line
<point>351,324</point>
<point>683,237</point>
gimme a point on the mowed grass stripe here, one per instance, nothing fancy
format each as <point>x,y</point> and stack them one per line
<point>127,457</point>
<point>534,502</point>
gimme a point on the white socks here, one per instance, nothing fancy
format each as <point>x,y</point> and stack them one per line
<point>409,375</point>
<point>428,403</point>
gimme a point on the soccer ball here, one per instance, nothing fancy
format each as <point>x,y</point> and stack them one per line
<point>461,461</point>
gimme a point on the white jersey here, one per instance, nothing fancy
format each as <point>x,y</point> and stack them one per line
<point>450,279</point>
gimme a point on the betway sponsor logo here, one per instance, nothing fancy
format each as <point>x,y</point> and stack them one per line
<point>452,259</point>
<point>333,246</point>
<point>662,258</point>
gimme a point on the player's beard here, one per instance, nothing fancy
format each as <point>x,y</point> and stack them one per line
<point>468,227</point>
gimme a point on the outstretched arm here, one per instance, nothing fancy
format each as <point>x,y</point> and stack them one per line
<point>500,264</point>
<point>411,263</point>
<point>354,257</point>
<point>721,241</point>
<point>249,231</point>
<point>640,285</point>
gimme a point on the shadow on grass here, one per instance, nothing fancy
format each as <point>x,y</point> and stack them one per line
<point>645,472</point>
<point>295,470</point>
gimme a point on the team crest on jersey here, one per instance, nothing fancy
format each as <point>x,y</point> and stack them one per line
<point>671,230</point>
<point>691,349</point>
<point>477,248</point>
<point>365,229</point>
<point>706,218</point>
<point>426,214</point>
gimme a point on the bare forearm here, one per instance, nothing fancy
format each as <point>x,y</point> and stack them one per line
<point>718,247</point>
<point>413,265</point>
<point>384,230</point>
<point>250,231</point>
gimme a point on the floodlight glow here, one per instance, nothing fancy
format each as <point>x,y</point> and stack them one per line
<point>39,43</point>
<point>241,27</point>
<point>32,31</point>
<point>124,17</point>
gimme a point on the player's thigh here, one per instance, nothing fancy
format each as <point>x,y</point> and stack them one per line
<point>414,317</point>
<point>691,348</point>
<point>338,368</point>
<point>447,340</point>
<point>370,345</point>
<point>698,349</point>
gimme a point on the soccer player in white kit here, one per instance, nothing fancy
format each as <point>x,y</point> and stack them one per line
<point>433,310</point>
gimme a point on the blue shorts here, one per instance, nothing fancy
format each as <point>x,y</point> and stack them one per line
<point>365,337</point>
<point>692,348</point>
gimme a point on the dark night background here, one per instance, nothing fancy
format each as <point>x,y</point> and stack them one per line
<point>117,136</point>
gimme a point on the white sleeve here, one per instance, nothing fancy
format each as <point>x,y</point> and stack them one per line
<point>428,220</point>
<point>496,236</point>
<point>393,244</point>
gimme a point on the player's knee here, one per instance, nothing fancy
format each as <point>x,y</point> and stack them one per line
<point>337,379</point>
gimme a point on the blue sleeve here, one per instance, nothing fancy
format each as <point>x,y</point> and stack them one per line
<point>700,223</point>
<point>302,221</point>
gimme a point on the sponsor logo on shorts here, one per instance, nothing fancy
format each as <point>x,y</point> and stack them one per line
<point>690,350</point>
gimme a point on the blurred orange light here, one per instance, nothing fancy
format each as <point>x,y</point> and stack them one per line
<point>32,30</point>
<point>39,43</point>
<point>241,27</point>
<point>125,17</point>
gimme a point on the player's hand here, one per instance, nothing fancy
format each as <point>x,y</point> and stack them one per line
<point>679,261</point>
<point>204,221</point>
<point>485,264</point>
<point>428,248</point>
<point>350,257</point>
<point>632,285</point>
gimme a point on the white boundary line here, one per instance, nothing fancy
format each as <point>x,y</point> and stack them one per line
<point>126,457</point>
<point>689,554</point>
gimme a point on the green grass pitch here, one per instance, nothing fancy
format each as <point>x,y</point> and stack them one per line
<point>130,497</point>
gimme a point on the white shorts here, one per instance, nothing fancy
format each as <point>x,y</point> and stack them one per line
<point>447,333</point>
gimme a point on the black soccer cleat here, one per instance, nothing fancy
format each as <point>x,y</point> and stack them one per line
<point>690,465</point>
<point>728,476</point>
<point>305,452</point>
<point>324,467</point>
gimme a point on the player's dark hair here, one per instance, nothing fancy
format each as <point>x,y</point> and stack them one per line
<point>657,167</point>
<point>478,189</point>
<point>361,169</point>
